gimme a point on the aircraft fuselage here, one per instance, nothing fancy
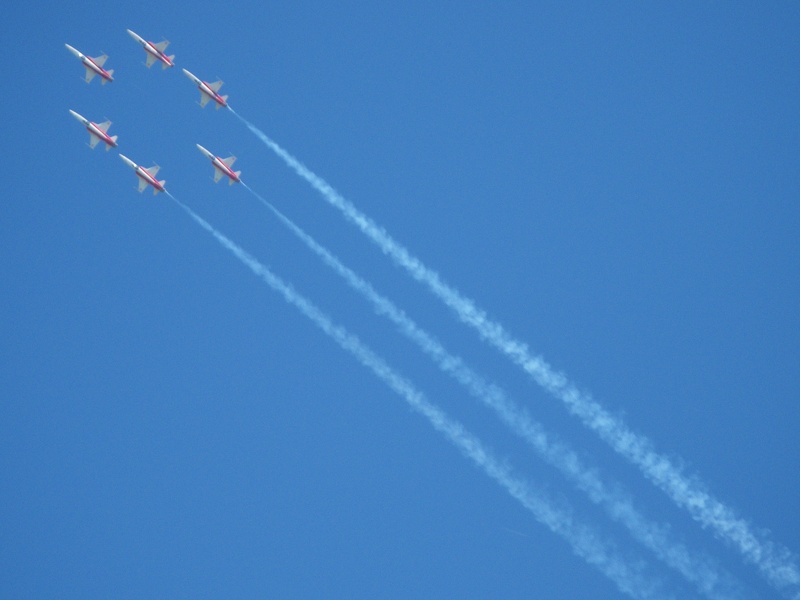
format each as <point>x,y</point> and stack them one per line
<point>150,48</point>
<point>89,63</point>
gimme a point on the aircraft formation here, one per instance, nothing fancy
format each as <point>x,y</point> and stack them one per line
<point>776,563</point>
<point>98,132</point>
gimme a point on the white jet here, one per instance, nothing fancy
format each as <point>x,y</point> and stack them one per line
<point>222,166</point>
<point>94,66</point>
<point>98,132</point>
<point>208,91</point>
<point>146,176</point>
<point>155,51</point>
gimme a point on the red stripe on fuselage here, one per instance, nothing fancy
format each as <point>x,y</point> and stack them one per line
<point>157,53</point>
<point>97,132</point>
<point>97,69</point>
<point>149,178</point>
<point>212,94</point>
<point>217,162</point>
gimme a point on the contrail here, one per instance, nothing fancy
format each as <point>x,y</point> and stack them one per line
<point>629,576</point>
<point>776,563</point>
<point>697,569</point>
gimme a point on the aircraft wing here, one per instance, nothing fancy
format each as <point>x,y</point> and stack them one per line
<point>142,184</point>
<point>93,139</point>
<point>204,99</point>
<point>150,60</point>
<point>89,74</point>
<point>215,86</point>
<point>217,175</point>
<point>104,126</point>
<point>228,162</point>
<point>161,46</point>
<point>100,60</point>
<point>152,171</point>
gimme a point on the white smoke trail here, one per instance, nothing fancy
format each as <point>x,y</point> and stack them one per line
<point>777,564</point>
<point>629,576</point>
<point>699,570</point>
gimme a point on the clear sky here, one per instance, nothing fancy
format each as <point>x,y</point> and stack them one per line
<point>618,185</point>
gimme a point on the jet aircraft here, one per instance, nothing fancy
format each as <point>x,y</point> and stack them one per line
<point>146,176</point>
<point>155,51</point>
<point>222,166</point>
<point>208,91</point>
<point>98,132</point>
<point>94,66</point>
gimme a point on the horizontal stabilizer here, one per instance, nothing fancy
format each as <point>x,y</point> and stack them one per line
<point>113,139</point>
<point>232,181</point>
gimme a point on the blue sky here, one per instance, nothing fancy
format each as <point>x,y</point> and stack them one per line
<point>617,185</point>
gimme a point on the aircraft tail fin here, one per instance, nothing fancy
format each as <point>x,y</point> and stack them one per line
<point>103,80</point>
<point>162,183</point>
<point>113,139</point>
<point>232,181</point>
